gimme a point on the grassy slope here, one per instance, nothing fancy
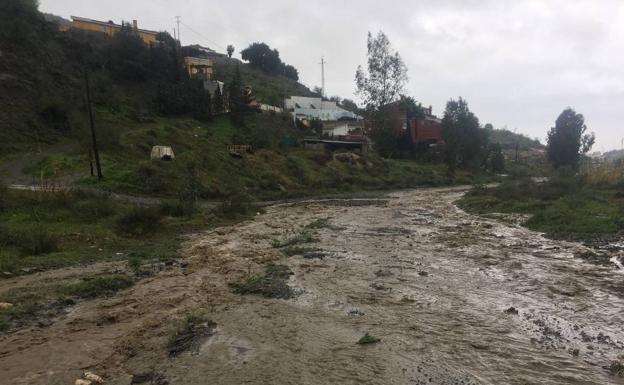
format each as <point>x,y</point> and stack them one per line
<point>201,154</point>
<point>268,89</point>
<point>564,207</point>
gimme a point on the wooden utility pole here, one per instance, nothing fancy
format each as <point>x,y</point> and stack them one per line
<point>92,124</point>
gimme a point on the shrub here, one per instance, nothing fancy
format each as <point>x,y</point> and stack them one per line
<point>94,208</point>
<point>368,339</point>
<point>190,333</point>
<point>36,240</point>
<point>4,198</point>
<point>140,220</point>
<point>98,286</point>
<point>236,204</point>
<point>151,178</point>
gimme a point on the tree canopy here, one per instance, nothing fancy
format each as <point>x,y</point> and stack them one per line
<point>568,140</point>
<point>465,141</point>
<point>386,74</point>
<point>261,56</point>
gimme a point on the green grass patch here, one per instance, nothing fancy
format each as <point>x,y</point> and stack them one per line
<point>368,339</point>
<point>99,286</point>
<point>271,284</point>
<point>318,223</point>
<point>301,237</point>
<point>563,207</point>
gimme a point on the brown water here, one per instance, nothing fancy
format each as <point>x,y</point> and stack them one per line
<point>429,280</point>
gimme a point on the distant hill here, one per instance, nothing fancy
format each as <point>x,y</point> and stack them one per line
<point>614,155</point>
<point>510,140</point>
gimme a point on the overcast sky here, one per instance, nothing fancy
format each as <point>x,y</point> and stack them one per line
<point>519,63</point>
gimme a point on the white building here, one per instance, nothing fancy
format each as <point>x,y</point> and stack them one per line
<point>316,108</point>
<point>341,128</point>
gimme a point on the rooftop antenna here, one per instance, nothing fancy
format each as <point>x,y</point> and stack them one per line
<point>322,63</point>
<point>178,22</point>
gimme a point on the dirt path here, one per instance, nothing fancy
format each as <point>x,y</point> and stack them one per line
<point>430,281</point>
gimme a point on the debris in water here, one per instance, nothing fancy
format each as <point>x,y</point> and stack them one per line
<point>356,312</point>
<point>93,377</point>
<point>617,369</point>
<point>195,329</point>
<point>512,310</point>
<point>368,339</point>
<point>273,284</point>
<point>383,273</point>
<point>151,376</point>
<point>423,273</point>
<point>379,286</point>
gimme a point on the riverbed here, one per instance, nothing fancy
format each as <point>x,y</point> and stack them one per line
<point>453,299</point>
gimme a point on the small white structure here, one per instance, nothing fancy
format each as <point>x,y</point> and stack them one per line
<point>341,128</point>
<point>162,153</point>
<point>316,108</point>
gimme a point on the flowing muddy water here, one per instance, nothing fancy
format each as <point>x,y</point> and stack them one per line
<point>454,298</point>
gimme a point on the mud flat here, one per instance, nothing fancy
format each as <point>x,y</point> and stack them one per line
<point>450,297</point>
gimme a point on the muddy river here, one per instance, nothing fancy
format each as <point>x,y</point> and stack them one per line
<point>453,298</point>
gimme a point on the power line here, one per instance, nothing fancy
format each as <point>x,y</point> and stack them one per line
<point>178,22</point>
<point>201,35</point>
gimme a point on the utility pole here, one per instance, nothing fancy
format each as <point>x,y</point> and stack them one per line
<point>322,63</point>
<point>92,124</point>
<point>178,22</point>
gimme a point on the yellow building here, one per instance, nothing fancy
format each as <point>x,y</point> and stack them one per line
<point>110,28</point>
<point>198,67</point>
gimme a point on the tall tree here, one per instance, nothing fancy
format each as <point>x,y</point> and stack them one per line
<point>291,72</point>
<point>349,105</point>
<point>218,101</point>
<point>237,99</point>
<point>568,140</point>
<point>386,74</point>
<point>230,50</point>
<point>263,57</point>
<point>465,141</point>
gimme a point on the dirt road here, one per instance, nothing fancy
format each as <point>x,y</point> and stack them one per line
<point>455,299</point>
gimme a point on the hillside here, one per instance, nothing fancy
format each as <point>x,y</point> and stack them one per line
<point>510,140</point>
<point>267,88</point>
<point>45,135</point>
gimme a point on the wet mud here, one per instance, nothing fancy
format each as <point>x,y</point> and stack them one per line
<point>450,298</point>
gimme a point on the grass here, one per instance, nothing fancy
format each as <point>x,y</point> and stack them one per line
<point>302,237</point>
<point>140,220</point>
<point>617,369</point>
<point>271,284</point>
<point>100,285</point>
<point>195,327</point>
<point>368,339</point>
<point>294,250</point>
<point>564,207</point>
<point>318,223</point>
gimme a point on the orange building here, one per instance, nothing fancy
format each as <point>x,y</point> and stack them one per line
<point>110,28</point>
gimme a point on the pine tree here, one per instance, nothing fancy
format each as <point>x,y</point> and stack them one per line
<point>237,99</point>
<point>218,101</point>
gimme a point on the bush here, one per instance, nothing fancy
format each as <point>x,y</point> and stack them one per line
<point>140,220</point>
<point>151,178</point>
<point>94,208</point>
<point>34,240</point>
<point>98,286</point>
<point>4,198</point>
<point>236,204</point>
